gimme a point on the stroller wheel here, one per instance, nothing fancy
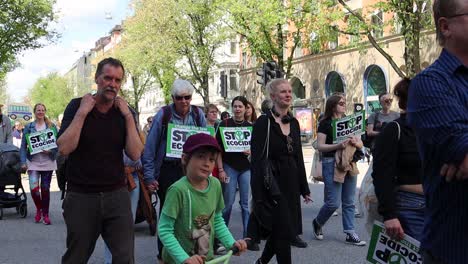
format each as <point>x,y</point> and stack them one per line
<point>23,210</point>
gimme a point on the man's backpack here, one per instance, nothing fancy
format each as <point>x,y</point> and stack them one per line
<point>367,140</point>
<point>61,171</point>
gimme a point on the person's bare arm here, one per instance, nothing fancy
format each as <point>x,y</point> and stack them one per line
<point>68,141</point>
<point>323,147</point>
<point>133,145</point>
<point>370,130</point>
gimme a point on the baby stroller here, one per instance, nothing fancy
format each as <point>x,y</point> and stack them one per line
<point>10,180</point>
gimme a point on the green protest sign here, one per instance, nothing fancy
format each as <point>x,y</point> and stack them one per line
<point>353,125</point>
<point>236,139</point>
<point>42,140</point>
<point>382,249</point>
<point>178,134</point>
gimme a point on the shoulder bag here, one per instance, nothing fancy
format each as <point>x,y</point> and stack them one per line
<point>267,169</point>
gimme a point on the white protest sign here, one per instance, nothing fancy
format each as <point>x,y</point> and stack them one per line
<point>42,140</point>
<point>353,125</point>
<point>236,139</point>
<point>382,249</point>
<point>178,134</point>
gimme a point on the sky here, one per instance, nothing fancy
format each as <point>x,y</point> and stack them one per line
<point>81,24</point>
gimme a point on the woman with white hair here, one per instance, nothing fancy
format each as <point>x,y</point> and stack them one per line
<point>276,215</point>
<point>161,171</point>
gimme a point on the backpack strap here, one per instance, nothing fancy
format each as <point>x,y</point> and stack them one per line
<point>196,114</point>
<point>167,115</point>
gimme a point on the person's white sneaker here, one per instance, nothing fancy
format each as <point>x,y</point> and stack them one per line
<point>354,239</point>
<point>317,229</point>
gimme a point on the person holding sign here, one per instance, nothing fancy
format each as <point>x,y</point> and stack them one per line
<point>234,169</point>
<point>397,174</point>
<point>335,108</point>
<point>175,122</point>
<point>38,153</point>
<point>276,140</point>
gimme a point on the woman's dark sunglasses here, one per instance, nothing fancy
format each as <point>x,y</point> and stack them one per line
<point>179,98</point>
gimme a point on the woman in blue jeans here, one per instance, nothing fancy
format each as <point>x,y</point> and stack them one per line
<point>334,191</point>
<point>234,170</point>
<point>397,174</point>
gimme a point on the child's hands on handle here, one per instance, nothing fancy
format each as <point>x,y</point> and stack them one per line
<point>195,259</point>
<point>239,246</point>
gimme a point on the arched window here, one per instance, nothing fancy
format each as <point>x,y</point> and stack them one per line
<point>334,83</point>
<point>298,88</point>
<point>375,83</point>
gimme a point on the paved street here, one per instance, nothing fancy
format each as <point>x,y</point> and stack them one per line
<point>22,241</point>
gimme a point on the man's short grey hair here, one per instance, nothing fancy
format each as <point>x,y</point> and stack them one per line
<point>273,84</point>
<point>181,86</point>
<point>443,8</point>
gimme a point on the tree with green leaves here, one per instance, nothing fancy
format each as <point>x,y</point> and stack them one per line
<point>273,30</point>
<point>52,91</point>
<point>413,16</point>
<point>146,61</point>
<point>181,38</point>
<point>24,24</point>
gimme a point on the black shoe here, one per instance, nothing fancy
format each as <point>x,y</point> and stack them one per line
<point>354,239</point>
<point>317,230</point>
<point>253,246</point>
<point>298,242</point>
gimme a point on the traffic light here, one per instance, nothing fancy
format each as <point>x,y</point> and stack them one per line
<point>261,73</point>
<point>269,71</point>
<point>223,81</point>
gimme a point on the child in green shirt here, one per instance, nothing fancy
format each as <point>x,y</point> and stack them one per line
<point>191,217</point>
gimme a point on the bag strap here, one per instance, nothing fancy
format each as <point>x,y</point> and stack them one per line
<point>399,129</point>
<point>267,141</point>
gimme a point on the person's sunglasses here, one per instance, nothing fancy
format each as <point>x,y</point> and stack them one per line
<point>289,144</point>
<point>388,101</point>
<point>342,103</point>
<point>186,97</point>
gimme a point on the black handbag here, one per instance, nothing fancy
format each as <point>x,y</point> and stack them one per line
<point>268,169</point>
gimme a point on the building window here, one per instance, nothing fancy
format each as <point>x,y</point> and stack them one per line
<point>233,80</point>
<point>377,24</point>
<point>334,83</point>
<point>298,51</point>
<point>233,47</point>
<point>333,43</point>
<point>375,83</point>
<point>298,88</point>
<point>244,60</point>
